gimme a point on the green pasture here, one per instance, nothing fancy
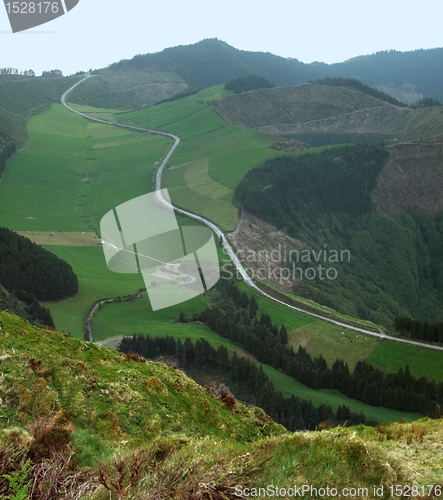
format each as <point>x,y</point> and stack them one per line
<point>390,356</point>
<point>74,171</point>
<point>226,151</point>
<point>317,336</point>
<point>96,282</point>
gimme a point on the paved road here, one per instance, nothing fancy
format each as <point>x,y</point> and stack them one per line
<point>229,250</point>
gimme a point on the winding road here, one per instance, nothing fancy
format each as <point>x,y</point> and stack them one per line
<point>229,250</point>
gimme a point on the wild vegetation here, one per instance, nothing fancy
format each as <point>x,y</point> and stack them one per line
<point>431,332</point>
<point>330,110</point>
<point>75,431</point>
<point>324,200</point>
<point>26,306</point>
<point>128,90</point>
<point>22,97</point>
<point>247,381</point>
<point>361,87</point>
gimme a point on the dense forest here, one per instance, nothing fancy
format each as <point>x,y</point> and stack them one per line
<point>27,268</point>
<point>394,263</point>
<point>247,381</point>
<point>247,83</point>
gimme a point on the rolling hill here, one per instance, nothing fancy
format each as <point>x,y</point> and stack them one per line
<point>320,109</point>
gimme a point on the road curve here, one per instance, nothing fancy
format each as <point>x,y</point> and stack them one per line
<point>229,250</point>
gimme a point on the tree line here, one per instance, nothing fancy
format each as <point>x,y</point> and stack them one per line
<point>247,83</point>
<point>234,316</point>
<point>7,151</point>
<point>352,83</point>
<point>15,71</point>
<point>26,266</point>
<point>247,381</point>
<point>420,330</point>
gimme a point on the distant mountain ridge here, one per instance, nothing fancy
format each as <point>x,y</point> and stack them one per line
<point>212,61</point>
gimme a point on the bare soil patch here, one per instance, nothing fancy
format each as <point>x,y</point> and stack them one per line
<point>411,179</point>
<point>70,239</point>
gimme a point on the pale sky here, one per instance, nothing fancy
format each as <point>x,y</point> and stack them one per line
<point>99,32</point>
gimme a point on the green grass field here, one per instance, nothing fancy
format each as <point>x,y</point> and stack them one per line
<point>229,151</point>
<point>74,171</point>
<point>316,336</point>
<point>391,356</point>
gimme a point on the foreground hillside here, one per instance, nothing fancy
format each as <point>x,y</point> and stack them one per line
<point>81,421</point>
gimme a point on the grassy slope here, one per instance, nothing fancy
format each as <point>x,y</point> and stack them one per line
<point>119,408</point>
<point>22,97</point>
<point>42,185</point>
<point>229,150</point>
<point>123,402</point>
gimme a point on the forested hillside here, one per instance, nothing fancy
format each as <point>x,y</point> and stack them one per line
<point>26,306</point>
<point>27,267</point>
<point>387,265</point>
<point>211,62</point>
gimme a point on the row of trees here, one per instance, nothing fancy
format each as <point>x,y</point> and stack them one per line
<point>420,330</point>
<point>29,267</point>
<point>15,71</point>
<point>8,150</point>
<point>426,103</point>
<point>247,381</point>
<point>247,83</point>
<point>357,85</point>
<point>399,391</point>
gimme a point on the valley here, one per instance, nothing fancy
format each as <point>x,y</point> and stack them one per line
<point>318,379</point>
<point>196,176</point>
